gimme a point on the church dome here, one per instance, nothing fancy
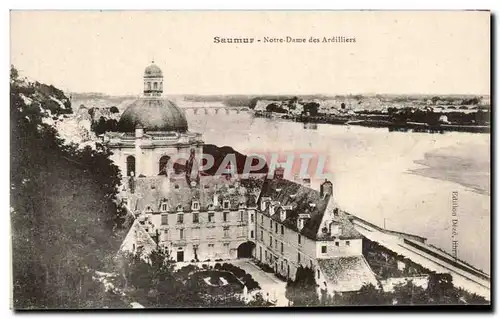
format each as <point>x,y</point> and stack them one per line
<point>152,71</point>
<point>153,114</point>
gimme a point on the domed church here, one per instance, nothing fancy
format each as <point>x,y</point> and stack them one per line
<point>151,131</point>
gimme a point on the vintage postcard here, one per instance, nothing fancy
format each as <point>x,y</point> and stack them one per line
<point>221,159</point>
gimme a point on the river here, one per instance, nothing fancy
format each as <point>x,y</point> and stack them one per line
<point>403,179</point>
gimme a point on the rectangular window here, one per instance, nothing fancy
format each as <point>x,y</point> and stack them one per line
<point>276,243</point>
<point>251,234</point>
<point>271,224</point>
<point>347,243</point>
<point>299,238</point>
<point>180,218</point>
<point>262,219</point>
<point>337,243</point>
<point>226,231</point>
<point>276,228</point>
<point>261,236</point>
<point>266,254</point>
<point>225,216</point>
<point>164,207</point>
<point>271,241</point>
<point>298,258</point>
<point>164,219</point>
<point>318,274</point>
<point>196,218</point>
<point>226,204</point>
<point>181,233</point>
<point>210,245</point>
<point>196,205</point>
<point>165,235</point>
<point>260,253</point>
<point>282,230</point>
<point>251,218</point>
<point>323,249</point>
<point>282,248</point>
<point>211,217</point>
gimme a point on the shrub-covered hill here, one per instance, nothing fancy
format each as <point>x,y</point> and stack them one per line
<point>64,220</point>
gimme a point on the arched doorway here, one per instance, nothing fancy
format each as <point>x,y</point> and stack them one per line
<point>162,166</point>
<point>130,165</point>
<point>245,250</point>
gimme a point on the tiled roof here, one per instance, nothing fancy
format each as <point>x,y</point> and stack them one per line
<point>304,200</point>
<point>152,191</point>
<point>287,193</point>
<point>347,273</point>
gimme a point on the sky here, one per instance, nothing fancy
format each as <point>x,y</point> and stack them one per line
<point>424,52</point>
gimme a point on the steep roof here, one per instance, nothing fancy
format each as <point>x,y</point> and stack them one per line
<point>300,199</point>
<point>151,192</point>
<point>347,273</point>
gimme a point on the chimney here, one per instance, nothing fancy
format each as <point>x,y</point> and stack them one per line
<point>279,172</point>
<point>306,182</point>
<point>326,189</point>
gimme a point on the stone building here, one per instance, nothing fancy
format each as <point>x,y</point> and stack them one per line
<point>299,226</point>
<point>198,218</point>
<point>151,131</point>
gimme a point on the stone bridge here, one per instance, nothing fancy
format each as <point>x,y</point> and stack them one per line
<point>215,110</point>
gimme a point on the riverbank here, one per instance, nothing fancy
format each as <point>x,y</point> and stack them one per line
<point>379,122</point>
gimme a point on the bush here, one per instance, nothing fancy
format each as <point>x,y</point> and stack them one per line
<point>218,266</point>
<point>204,266</point>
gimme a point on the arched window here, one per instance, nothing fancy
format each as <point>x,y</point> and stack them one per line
<point>155,85</point>
<point>149,86</point>
<point>162,169</point>
<point>130,166</point>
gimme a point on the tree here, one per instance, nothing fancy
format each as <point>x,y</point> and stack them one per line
<point>441,289</point>
<point>303,290</point>
<point>63,211</point>
<point>311,108</point>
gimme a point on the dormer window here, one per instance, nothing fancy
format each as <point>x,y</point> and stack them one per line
<point>179,208</point>
<point>125,201</point>
<point>149,209</point>
<point>196,205</point>
<point>211,207</point>
<point>164,206</point>
<point>225,204</point>
<point>300,224</point>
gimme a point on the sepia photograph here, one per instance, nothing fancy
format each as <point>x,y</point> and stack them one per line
<point>250,159</point>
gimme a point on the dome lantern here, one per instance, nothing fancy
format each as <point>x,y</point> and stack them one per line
<point>153,80</point>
